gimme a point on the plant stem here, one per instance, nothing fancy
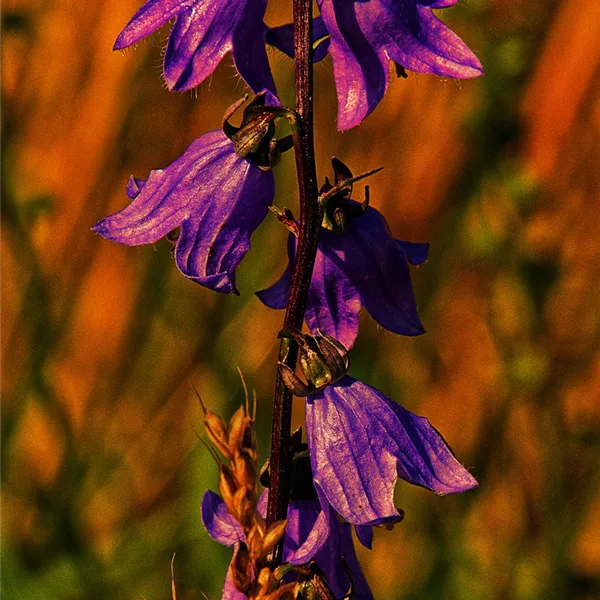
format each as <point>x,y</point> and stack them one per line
<point>310,224</point>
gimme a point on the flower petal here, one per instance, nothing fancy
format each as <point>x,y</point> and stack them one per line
<point>338,550</point>
<point>152,15</point>
<point>364,533</point>
<point>306,533</point>
<point>277,295</point>
<point>361,70</point>
<point>230,592</point>
<point>218,199</point>
<point>329,561</point>
<point>282,38</point>
<point>213,242</point>
<point>333,301</point>
<point>199,40</point>
<point>168,196</point>
<point>378,267</point>
<point>250,54</point>
<point>424,44</point>
<point>364,35</point>
<point>360,442</point>
<point>221,526</point>
<point>416,253</point>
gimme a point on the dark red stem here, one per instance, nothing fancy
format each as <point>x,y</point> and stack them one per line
<point>310,223</point>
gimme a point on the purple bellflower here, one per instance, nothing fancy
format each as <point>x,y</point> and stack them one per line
<point>361,441</point>
<point>359,263</point>
<point>310,534</point>
<point>203,33</point>
<point>218,192</point>
<point>366,35</point>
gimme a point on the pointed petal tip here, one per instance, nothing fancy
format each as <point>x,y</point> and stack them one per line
<point>101,228</point>
<point>219,282</point>
<point>121,43</point>
<point>472,70</point>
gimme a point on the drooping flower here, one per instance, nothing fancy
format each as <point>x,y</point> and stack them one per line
<point>366,35</point>
<point>361,441</point>
<point>215,193</point>
<point>203,33</point>
<point>359,264</point>
<point>311,534</point>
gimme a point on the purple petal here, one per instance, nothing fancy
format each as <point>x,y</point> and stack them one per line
<point>168,196</point>
<point>340,549</point>
<point>360,442</point>
<point>364,35</point>
<point>203,33</point>
<point>378,267</point>
<point>364,533</point>
<point>424,44</point>
<point>337,577</point>
<point>200,38</point>
<point>134,187</point>
<point>363,266</point>
<point>307,531</point>
<point>230,592</point>
<point>416,253</point>
<point>277,295</point>
<point>282,38</point>
<point>360,70</point>
<point>152,15</point>
<point>217,198</point>
<point>437,3</point>
<point>212,243</point>
<point>333,301</point>
<point>221,526</point>
<point>250,54</point>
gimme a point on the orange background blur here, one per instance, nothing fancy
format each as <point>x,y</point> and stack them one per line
<point>103,470</point>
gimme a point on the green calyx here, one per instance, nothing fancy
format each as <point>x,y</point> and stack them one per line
<point>255,138</point>
<point>339,208</point>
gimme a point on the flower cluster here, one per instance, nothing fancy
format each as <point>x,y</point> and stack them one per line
<point>361,37</point>
<point>210,201</point>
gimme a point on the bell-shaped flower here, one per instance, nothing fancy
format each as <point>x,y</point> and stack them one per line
<point>217,193</point>
<point>359,264</point>
<point>311,535</point>
<point>365,36</point>
<point>361,442</point>
<point>202,34</point>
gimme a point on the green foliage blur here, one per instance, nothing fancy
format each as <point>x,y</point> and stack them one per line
<point>103,467</point>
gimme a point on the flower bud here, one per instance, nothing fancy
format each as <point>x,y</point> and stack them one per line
<point>323,360</point>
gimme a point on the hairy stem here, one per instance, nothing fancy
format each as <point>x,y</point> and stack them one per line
<point>310,223</point>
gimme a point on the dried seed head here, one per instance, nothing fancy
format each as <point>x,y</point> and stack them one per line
<point>241,569</point>
<point>244,508</point>
<point>255,543</point>
<point>266,582</point>
<point>236,429</point>
<point>273,535</point>
<point>228,487</point>
<point>216,429</point>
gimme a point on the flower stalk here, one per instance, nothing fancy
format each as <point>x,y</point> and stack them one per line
<point>308,237</point>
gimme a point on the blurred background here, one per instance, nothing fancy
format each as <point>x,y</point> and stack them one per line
<point>102,465</point>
